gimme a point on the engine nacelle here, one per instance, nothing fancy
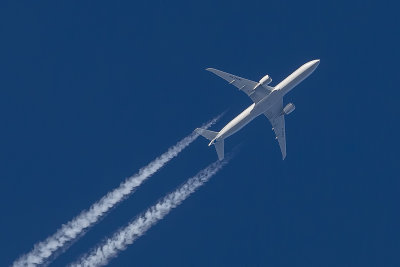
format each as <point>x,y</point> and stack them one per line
<point>265,80</point>
<point>289,108</point>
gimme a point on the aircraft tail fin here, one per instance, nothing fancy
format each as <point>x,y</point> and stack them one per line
<point>210,135</point>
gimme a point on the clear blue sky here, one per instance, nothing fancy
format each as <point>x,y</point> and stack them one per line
<point>91,92</point>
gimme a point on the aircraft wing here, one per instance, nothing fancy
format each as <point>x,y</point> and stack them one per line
<point>243,84</point>
<point>277,119</point>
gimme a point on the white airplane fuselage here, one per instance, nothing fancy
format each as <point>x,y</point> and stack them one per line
<point>267,102</point>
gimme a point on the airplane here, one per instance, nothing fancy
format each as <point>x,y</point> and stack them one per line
<point>267,101</point>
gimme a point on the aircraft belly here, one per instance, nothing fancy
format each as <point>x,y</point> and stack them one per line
<point>248,115</point>
<point>238,126</point>
<point>297,76</point>
<point>237,123</point>
<point>294,80</point>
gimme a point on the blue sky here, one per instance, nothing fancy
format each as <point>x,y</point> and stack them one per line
<point>91,92</point>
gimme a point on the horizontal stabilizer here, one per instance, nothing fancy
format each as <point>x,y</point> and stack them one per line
<point>210,135</point>
<point>219,146</point>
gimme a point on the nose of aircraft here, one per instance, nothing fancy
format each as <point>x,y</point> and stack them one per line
<point>315,63</point>
<point>312,65</point>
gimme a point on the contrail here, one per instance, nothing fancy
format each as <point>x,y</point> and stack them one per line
<point>103,253</point>
<point>43,250</point>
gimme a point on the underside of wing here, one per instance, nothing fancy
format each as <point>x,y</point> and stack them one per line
<point>277,119</point>
<point>279,128</point>
<point>251,88</point>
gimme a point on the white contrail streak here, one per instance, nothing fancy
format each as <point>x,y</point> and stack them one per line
<point>103,253</point>
<point>42,251</point>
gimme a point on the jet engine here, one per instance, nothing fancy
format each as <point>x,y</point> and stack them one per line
<point>289,108</point>
<point>265,80</point>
